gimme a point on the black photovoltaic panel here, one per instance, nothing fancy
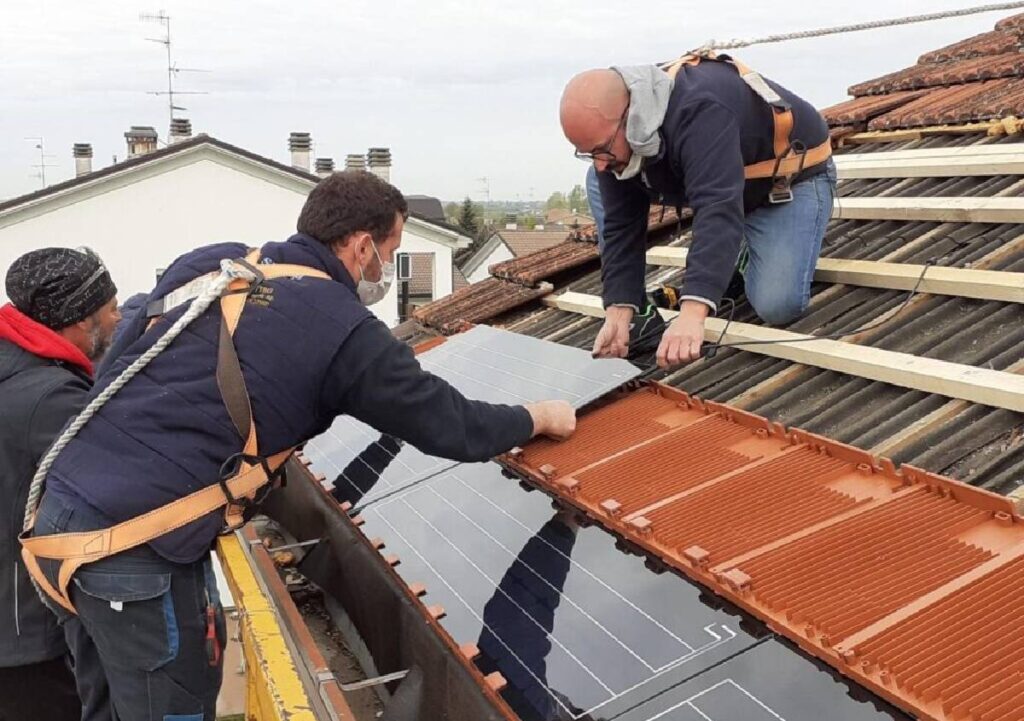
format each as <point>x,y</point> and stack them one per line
<point>579,629</point>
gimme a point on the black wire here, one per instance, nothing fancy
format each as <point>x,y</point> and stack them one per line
<point>709,349</point>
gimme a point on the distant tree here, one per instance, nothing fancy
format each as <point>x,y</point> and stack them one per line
<point>451,212</point>
<point>556,200</point>
<point>577,201</point>
<point>469,218</point>
<point>530,222</point>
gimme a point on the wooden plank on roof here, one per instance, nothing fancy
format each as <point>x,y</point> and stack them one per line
<point>953,380</point>
<point>961,282</point>
<point>997,127</point>
<point>937,209</point>
<point>974,160</point>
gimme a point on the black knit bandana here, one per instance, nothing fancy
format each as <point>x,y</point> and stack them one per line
<point>59,287</point>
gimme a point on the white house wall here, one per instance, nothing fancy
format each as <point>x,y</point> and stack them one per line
<point>143,226</point>
<point>500,253</point>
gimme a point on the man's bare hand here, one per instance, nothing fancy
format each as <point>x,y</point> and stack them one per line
<point>682,340</point>
<point>613,339</point>
<point>556,419</point>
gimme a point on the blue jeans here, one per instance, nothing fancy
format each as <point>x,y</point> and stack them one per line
<point>596,206</point>
<point>782,243</point>
<point>139,641</point>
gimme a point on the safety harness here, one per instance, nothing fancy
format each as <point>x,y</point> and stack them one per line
<point>242,476</point>
<point>791,156</point>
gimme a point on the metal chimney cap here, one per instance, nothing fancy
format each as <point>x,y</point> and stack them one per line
<point>182,126</point>
<point>82,150</point>
<point>325,164</point>
<point>299,141</point>
<point>141,131</point>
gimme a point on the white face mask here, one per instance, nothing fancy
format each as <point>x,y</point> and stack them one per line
<point>370,292</point>
<point>632,167</point>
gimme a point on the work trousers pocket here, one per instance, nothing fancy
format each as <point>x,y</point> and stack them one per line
<point>129,616</point>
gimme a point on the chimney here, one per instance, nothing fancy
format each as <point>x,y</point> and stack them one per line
<point>300,145</point>
<point>379,160</point>
<point>83,158</point>
<point>181,129</point>
<point>141,140</point>
<point>510,222</point>
<point>355,162</point>
<point>324,166</point>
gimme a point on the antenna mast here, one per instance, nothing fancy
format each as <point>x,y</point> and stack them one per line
<point>43,155</point>
<point>172,69</point>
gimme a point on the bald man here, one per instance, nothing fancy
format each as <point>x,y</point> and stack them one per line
<point>685,142</point>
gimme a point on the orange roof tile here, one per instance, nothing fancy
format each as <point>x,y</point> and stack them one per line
<point>901,579</point>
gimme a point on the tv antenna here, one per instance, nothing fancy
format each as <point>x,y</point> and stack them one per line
<point>485,184</point>
<point>172,68</point>
<point>43,155</point>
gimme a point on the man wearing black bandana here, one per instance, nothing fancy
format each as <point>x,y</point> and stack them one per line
<point>59,322</point>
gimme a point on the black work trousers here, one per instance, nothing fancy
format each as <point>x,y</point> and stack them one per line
<point>44,690</point>
<point>142,637</point>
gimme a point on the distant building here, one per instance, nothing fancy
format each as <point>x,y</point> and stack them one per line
<point>507,244</point>
<point>142,213</point>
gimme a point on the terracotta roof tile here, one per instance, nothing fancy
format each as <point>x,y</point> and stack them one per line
<point>996,42</point>
<point>524,242</point>
<point>529,269</point>
<point>475,303</point>
<point>970,102</point>
<point>860,110</point>
<point>660,216</point>
<point>897,577</point>
<point>1014,22</point>
<point>952,73</point>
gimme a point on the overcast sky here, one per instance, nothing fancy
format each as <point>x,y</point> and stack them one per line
<point>458,89</point>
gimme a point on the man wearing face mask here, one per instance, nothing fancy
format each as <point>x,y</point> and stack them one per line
<point>308,350</point>
<point>747,156</point>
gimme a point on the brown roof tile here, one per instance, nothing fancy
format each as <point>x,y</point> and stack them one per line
<point>660,216</point>
<point>952,73</point>
<point>860,110</point>
<point>477,302</point>
<point>524,242</point>
<point>529,269</point>
<point>970,102</point>
<point>1014,22</point>
<point>996,42</point>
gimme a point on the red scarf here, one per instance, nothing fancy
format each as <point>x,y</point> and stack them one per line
<point>39,340</point>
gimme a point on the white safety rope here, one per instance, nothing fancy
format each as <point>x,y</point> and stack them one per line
<point>229,271</point>
<point>736,43</point>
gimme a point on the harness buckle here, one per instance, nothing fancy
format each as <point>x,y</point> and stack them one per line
<point>231,467</point>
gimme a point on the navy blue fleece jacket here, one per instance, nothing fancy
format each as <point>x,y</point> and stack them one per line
<point>714,126</point>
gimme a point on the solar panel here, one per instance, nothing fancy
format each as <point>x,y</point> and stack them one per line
<point>579,628</point>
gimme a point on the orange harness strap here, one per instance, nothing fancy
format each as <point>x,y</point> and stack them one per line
<point>788,161</point>
<point>254,472</point>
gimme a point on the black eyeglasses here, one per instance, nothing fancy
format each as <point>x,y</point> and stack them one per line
<point>604,152</point>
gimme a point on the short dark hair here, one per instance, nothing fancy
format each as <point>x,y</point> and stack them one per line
<point>350,201</point>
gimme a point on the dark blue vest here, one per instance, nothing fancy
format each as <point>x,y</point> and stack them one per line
<point>167,432</point>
